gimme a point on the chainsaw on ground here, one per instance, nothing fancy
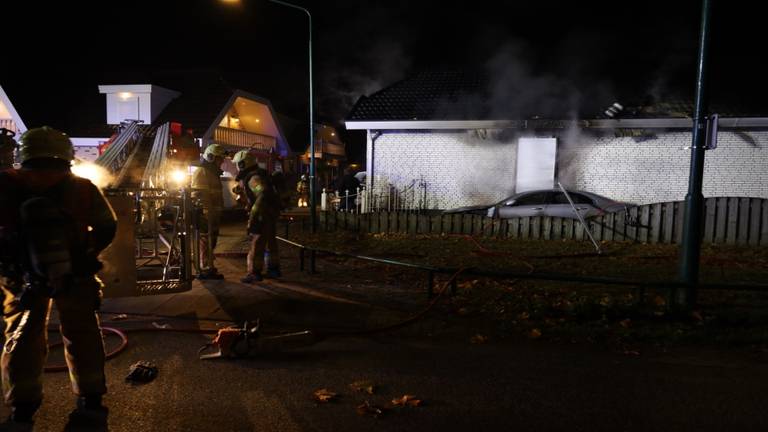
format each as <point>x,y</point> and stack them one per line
<point>245,341</point>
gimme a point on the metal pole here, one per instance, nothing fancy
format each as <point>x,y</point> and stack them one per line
<point>694,201</point>
<point>312,182</point>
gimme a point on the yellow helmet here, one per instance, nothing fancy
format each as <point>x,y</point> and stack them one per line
<point>45,142</point>
<point>213,151</point>
<point>244,159</point>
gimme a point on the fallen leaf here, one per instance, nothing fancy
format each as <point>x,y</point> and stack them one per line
<point>696,315</point>
<point>659,301</point>
<point>632,353</point>
<point>534,334</point>
<point>367,408</point>
<point>605,301</point>
<point>407,400</point>
<point>626,323</point>
<point>462,311</point>
<point>363,386</point>
<point>324,395</point>
<point>478,339</point>
<point>523,316</point>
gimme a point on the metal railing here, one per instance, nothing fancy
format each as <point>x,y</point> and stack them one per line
<point>241,138</point>
<point>156,168</point>
<point>9,124</point>
<point>116,157</point>
<point>411,198</point>
<point>639,285</point>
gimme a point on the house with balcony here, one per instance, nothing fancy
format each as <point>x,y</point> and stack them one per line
<point>196,101</point>
<point>330,150</point>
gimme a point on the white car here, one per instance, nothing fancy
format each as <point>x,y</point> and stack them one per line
<point>547,202</point>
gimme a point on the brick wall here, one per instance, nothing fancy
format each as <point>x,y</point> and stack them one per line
<point>459,167</point>
<point>657,170</point>
<point>478,167</point>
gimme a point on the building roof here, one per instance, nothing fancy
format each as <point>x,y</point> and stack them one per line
<point>476,96</point>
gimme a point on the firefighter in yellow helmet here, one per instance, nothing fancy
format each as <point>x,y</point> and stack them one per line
<point>207,179</point>
<point>52,227</point>
<point>264,210</point>
<point>7,147</point>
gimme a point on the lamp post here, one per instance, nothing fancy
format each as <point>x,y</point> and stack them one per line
<point>690,252</point>
<point>312,183</point>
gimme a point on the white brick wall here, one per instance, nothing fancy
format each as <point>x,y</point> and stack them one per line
<point>657,170</point>
<point>459,167</point>
<point>466,168</point>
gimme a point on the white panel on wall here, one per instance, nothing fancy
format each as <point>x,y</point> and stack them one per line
<point>128,108</point>
<point>536,163</point>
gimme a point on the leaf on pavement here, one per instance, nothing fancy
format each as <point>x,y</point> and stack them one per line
<point>523,316</point>
<point>324,395</point>
<point>363,386</point>
<point>406,400</point>
<point>534,334</point>
<point>369,409</point>
<point>659,301</point>
<point>626,323</point>
<point>478,339</point>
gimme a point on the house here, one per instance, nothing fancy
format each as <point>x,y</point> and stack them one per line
<point>199,101</point>
<point>330,150</point>
<point>449,132</point>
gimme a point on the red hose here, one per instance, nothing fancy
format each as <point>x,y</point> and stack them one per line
<point>123,342</point>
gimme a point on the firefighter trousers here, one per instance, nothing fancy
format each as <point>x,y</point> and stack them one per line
<point>22,368</point>
<point>209,236</point>
<point>264,240</point>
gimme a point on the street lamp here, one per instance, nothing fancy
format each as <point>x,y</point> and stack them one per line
<point>312,187</point>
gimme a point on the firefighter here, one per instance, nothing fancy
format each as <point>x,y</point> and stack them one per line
<point>7,147</point>
<point>264,210</point>
<point>302,188</point>
<point>53,225</point>
<point>207,178</point>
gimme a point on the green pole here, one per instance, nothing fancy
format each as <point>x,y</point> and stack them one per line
<point>690,252</point>
<point>312,167</point>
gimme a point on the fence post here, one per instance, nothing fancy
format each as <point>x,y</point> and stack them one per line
<point>346,201</point>
<point>324,200</point>
<point>312,261</point>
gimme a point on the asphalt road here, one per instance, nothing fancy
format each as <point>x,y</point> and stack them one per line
<point>501,385</point>
<point>492,387</point>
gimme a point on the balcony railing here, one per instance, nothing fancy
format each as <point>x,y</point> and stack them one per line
<point>241,138</point>
<point>324,148</point>
<point>8,124</point>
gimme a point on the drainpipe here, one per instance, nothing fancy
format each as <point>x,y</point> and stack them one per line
<point>374,135</point>
<point>690,251</point>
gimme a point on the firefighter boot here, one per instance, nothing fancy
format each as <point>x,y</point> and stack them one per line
<point>252,278</point>
<point>273,272</point>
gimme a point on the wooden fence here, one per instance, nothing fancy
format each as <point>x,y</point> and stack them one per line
<point>732,221</point>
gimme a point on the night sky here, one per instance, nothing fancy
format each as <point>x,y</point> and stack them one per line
<point>632,50</point>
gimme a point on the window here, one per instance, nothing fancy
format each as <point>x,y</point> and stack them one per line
<point>577,198</point>
<point>537,198</point>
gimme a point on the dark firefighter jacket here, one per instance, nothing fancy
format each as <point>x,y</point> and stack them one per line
<point>78,197</point>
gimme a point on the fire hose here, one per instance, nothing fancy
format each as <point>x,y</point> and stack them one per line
<point>226,339</point>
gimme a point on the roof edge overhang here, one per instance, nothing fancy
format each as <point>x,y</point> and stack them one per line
<point>650,123</point>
